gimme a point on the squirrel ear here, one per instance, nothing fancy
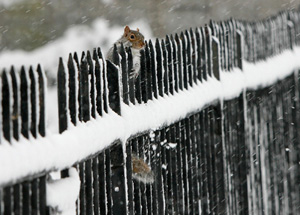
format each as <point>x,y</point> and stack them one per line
<point>126,30</point>
<point>137,29</point>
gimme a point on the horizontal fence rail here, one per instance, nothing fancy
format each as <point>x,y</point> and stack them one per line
<point>239,156</point>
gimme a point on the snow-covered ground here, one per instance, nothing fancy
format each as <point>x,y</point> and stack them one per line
<point>61,151</point>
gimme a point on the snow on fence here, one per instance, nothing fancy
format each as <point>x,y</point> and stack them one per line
<point>235,153</point>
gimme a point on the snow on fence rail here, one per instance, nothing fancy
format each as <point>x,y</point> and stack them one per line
<point>223,153</point>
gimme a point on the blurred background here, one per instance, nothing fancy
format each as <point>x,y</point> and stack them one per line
<point>40,31</point>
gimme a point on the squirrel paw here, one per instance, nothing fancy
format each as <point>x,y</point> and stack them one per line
<point>133,74</point>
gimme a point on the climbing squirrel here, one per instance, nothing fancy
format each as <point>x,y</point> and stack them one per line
<point>134,40</point>
<point>141,170</point>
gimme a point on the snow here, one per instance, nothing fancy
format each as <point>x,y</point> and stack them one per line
<point>75,39</point>
<point>59,151</point>
<point>63,193</point>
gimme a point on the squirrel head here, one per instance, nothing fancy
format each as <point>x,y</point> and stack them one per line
<point>135,37</point>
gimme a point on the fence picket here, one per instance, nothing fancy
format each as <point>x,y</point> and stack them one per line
<point>92,90</point>
<point>190,75</point>
<point>153,69</point>
<point>114,96</point>
<point>99,84</point>
<point>62,97</point>
<point>6,105</point>
<point>169,51</point>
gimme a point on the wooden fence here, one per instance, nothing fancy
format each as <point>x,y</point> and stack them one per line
<point>239,156</point>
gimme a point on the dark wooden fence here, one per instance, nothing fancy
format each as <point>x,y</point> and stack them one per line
<point>239,156</point>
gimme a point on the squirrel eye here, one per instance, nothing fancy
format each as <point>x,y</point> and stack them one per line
<point>132,36</point>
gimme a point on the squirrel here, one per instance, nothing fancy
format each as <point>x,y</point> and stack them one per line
<point>141,170</point>
<point>130,39</point>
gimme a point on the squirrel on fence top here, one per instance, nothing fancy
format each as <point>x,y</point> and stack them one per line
<point>130,39</point>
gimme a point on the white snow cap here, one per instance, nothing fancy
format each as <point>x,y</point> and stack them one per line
<point>63,193</point>
<point>60,151</point>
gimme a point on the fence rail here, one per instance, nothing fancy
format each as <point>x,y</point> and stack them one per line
<point>239,156</point>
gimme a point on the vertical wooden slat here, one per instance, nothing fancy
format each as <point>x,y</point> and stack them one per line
<point>216,58</point>
<point>92,90</point>
<point>113,83</point>
<point>204,55</point>
<point>184,60</point>
<point>15,106</point>
<point>175,64</point>
<point>153,69</point>
<point>118,191</point>
<point>33,128</point>
<point>98,83</point>
<point>198,40</point>
<point>72,86</point>
<point>42,100</point>
<point>148,70</point>
<point>193,54</point>
<point>102,183</point>
<point>125,75</point>
<point>165,68</point>
<point>209,50</point>
<point>108,183</point>
<point>7,200</point>
<point>6,105</point>
<point>130,192</point>
<point>169,50</point>
<point>62,97</point>
<point>131,80</point>
<point>33,102</point>
<point>189,64</point>
<point>159,62</point>
<point>104,80</point>
<point>41,198</point>
<point>84,89</point>
<point>180,62</point>
<point>24,103</point>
